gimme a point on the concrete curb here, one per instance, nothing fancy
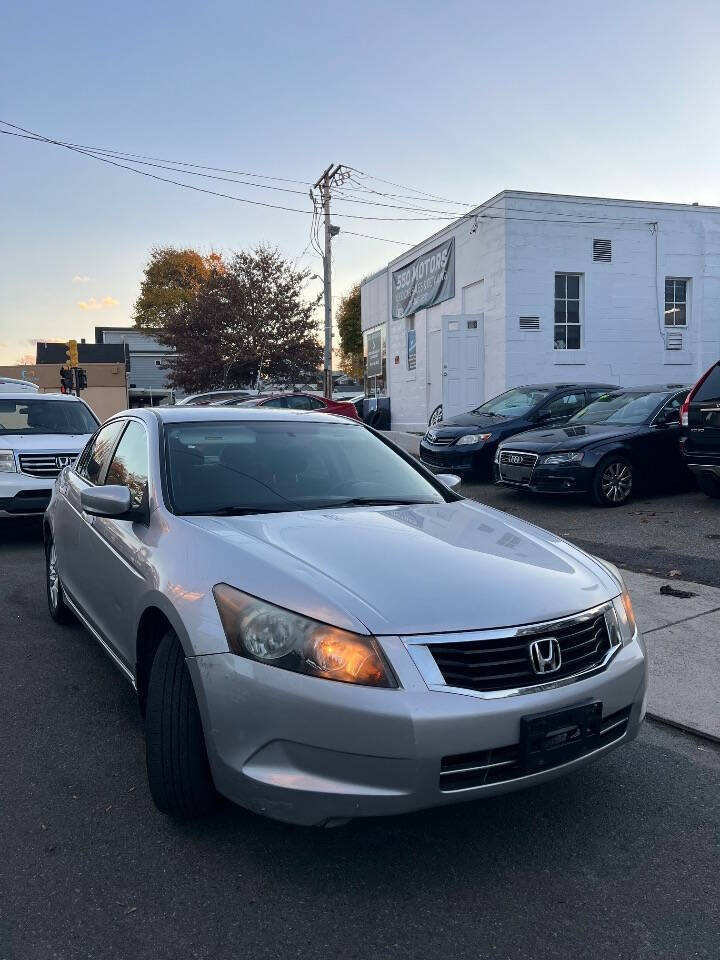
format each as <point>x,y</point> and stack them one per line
<point>683,727</point>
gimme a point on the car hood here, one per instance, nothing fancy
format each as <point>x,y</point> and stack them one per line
<point>569,437</point>
<point>45,442</point>
<point>428,568</point>
<point>469,423</point>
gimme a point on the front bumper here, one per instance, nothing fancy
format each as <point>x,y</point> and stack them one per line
<point>573,478</point>
<point>462,459</point>
<point>312,751</point>
<point>21,493</point>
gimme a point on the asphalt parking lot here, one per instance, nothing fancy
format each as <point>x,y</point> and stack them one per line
<point>618,861</point>
<point>656,534</point>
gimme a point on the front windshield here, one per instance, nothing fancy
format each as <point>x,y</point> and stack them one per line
<point>631,409</point>
<point>266,466</point>
<point>513,403</point>
<point>34,416</point>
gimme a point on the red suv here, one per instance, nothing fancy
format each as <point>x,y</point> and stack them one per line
<point>700,417</point>
<point>303,401</point>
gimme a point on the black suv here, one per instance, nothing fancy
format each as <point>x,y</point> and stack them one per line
<point>700,417</point>
<point>468,442</point>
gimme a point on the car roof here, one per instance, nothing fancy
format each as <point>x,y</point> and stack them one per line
<point>656,388</point>
<point>566,386</point>
<point>31,395</point>
<point>227,414</point>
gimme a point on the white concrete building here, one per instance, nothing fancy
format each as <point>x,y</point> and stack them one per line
<point>533,287</point>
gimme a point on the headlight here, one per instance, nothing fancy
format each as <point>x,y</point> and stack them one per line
<point>626,616</point>
<point>269,634</point>
<point>473,438</point>
<point>624,612</point>
<point>574,457</point>
<point>7,461</point>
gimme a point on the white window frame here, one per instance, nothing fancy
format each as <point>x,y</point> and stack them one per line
<point>581,318</point>
<point>675,302</point>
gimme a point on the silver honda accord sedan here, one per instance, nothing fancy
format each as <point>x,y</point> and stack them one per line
<point>319,629</point>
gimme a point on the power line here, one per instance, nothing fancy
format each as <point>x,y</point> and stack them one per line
<point>402,186</point>
<point>351,233</point>
<point>99,154</point>
<point>216,193</point>
<point>179,163</point>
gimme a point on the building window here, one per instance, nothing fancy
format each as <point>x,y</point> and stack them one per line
<point>675,302</point>
<point>158,363</point>
<point>568,324</point>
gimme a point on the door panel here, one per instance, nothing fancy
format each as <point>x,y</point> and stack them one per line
<point>91,466</point>
<point>463,363</point>
<point>120,551</point>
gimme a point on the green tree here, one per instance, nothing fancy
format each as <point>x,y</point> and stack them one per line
<point>173,279</point>
<point>350,330</point>
<point>247,318</point>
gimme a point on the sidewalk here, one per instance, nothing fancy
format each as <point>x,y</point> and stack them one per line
<point>683,640</point>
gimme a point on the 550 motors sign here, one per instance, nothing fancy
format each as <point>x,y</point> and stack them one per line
<point>427,280</point>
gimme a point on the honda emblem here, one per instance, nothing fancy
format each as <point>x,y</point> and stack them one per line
<point>545,655</point>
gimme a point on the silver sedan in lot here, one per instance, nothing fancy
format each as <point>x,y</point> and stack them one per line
<point>319,629</point>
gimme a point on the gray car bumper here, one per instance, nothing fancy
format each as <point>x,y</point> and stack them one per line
<point>311,751</point>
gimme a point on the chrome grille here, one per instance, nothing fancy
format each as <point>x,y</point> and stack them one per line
<point>439,441</point>
<point>463,771</point>
<point>503,663</point>
<point>518,458</point>
<point>44,464</point>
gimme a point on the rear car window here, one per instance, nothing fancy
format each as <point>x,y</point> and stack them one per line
<point>709,389</point>
<point>34,416</point>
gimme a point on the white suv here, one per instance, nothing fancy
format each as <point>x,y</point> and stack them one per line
<point>40,433</point>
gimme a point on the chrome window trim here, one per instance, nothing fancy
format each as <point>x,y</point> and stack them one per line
<point>418,648</point>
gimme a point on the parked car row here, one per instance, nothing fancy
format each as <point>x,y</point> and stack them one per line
<point>596,439</point>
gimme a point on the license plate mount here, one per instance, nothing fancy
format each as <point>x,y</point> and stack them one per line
<point>551,739</point>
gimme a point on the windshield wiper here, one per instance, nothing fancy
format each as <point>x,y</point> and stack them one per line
<point>236,511</point>
<point>375,502</point>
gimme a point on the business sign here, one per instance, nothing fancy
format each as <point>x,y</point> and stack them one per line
<point>428,280</point>
<point>374,353</point>
<point>411,352</point>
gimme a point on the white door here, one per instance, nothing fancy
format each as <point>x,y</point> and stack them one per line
<point>463,363</point>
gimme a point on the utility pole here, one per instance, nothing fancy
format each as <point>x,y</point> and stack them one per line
<point>334,173</point>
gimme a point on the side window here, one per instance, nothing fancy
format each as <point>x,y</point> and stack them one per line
<point>593,395</point>
<point>709,389</point>
<point>316,404</point>
<point>563,406</point>
<point>671,411</point>
<point>299,402</point>
<point>95,456</point>
<point>277,402</point>
<point>129,465</point>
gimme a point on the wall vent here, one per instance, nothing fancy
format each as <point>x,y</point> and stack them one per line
<point>602,250</point>
<point>673,340</point>
<point>529,323</point>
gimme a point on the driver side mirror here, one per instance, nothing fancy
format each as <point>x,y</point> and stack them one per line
<point>451,480</point>
<point>111,501</point>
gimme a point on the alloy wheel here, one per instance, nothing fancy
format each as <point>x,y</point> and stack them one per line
<point>616,482</point>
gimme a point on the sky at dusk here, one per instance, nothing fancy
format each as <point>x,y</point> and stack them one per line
<point>460,99</point>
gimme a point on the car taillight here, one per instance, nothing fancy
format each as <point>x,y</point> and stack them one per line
<point>685,408</point>
<point>685,411</point>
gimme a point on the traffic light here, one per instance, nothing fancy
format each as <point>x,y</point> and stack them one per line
<point>80,379</point>
<point>72,353</point>
<point>66,380</point>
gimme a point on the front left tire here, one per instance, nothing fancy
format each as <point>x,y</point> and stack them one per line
<point>59,610</point>
<point>178,771</point>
